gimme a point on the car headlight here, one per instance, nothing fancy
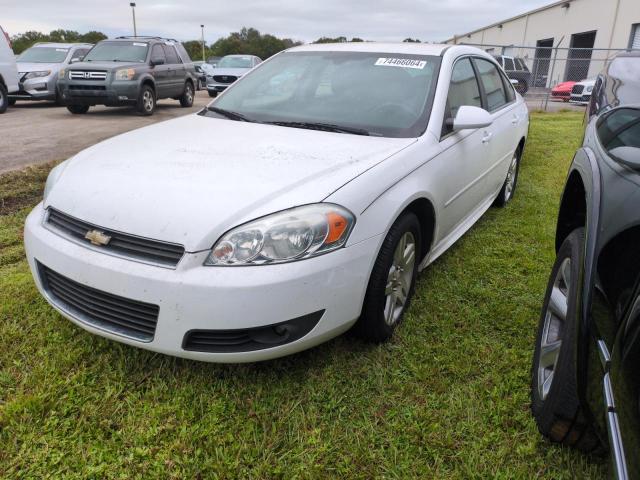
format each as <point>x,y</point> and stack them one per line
<point>294,234</point>
<point>125,74</point>
<point>61,73</point>
<point>52,179</point>
<point>588,89</point>
<point>42,73</point>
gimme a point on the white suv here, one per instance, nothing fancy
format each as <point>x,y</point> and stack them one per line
<point>8,71</point>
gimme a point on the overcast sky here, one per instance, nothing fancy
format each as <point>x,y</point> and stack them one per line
<point>304,20</point>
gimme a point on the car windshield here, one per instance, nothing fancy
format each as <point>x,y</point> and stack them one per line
<point>43,55</point>
<point>379,94</point>
<point>235,62</point>
<point>118,52</point>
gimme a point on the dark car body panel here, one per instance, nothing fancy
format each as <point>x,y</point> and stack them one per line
<point>608,376</point>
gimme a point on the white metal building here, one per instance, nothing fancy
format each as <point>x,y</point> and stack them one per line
<point>571,24</point>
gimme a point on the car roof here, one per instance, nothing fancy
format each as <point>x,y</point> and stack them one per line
<point>404,47</point>
<point>61,45</point>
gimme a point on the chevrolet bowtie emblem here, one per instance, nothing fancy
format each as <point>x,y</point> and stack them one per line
<point>96,237</point>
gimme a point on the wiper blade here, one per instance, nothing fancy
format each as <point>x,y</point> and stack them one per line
<point>325,127</point>
<point>231,114</point>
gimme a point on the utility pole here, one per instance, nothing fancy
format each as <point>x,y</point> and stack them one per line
<point>202,28</point>
<point>133,11</point>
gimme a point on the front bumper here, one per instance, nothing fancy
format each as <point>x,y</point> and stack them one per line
<point>113,94</point>
<point>39,88</point>
<point>194,297</point>
<point>217,87</point>
<point>581,99</point>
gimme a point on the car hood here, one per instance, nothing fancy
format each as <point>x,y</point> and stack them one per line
<point>25,67</point>
<point>103,65</point>
<point>236,72</point>
<point>191,179</point>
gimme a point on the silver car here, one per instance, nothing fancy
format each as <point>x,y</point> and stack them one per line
<point>38,69</point>
<point>229,69</point>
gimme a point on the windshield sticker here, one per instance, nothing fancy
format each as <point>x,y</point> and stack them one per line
<point>62,49</point>
<point>136,44</point>
<point>401,62</point>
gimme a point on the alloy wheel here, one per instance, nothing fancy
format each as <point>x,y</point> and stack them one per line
<point>399,278</point>
<point>147,100</point>
<point>511,177</point>
<point>555,318</point>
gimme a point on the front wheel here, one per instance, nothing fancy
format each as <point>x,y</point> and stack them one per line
<point>508,189</point>
<point>521,87</point>
<point>4,99</point>
<point>78,109</point>
<point>212,94</point>
<point>186,100</point>
<point>392,281</point>
<point>555,403</point>
<point>146,101</point>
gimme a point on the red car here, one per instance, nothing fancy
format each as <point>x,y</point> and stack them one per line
<point>562,91</point>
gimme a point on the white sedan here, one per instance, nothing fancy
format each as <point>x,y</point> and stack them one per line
<point>299,204</point>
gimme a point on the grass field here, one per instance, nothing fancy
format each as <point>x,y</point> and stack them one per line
<point>448,397</point>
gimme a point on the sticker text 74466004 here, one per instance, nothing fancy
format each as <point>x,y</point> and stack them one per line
<point>401,62</point>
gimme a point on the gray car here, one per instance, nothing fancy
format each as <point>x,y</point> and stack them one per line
<point>228,70</point>
<point>135,71</point>
<point>39,66</point>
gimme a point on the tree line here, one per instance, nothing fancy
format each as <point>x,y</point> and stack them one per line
<point>247,41</point>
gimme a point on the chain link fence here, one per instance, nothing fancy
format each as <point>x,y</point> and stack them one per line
<point>550,78</point>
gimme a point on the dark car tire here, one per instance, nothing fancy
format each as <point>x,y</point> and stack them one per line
<point>146,103</point>
<point>377,321</point>
<point>508,189</point>
<point>186,100</point>
<point>4,98</point>
<point>78,109</point>
<point>212,94</point>
<point>558,412</point>
<point>521,87</point>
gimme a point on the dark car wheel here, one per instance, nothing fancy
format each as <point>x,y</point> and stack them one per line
<point>78,109</point>
<point>4,98</point>
<point>392,281</point>
<point>555,402</point>
<point>521,87</point>
<point>146,104</point>
<point>186,100</point>
<point>212,94</point>
<point>508,189</point>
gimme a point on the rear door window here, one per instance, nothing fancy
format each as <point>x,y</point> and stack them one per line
<point>508,64</point>
<point>492,84</point>
<point>157,53</point>
<point>170,53</point>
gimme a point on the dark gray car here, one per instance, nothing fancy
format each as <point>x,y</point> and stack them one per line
<point>134,71</point>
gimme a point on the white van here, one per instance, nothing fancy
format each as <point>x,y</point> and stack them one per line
<point>8,71</point>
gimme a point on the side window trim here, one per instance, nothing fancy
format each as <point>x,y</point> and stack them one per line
<point>447,108</point>
<point>485,103</point>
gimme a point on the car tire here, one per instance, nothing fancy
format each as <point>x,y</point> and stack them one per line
<point>508,189</point>
<point>146,103</point>
<point>78,109</point>
<point>4,98</point>
<point>186,100</point>
<point>392,281</point>
<point>555,403</point>
<point>521,87</point>
<point>212,94</point>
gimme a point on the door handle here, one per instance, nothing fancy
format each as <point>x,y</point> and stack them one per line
<point>515,120</point>
<point>487,137</point>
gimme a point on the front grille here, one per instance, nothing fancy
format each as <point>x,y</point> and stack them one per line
<point>87,87</point>
<point>224,78</point>
<point>87,75</point>
<point>138,248</point>
<point>250,339</point>
<point>103,310</point>
<point>577,89</point>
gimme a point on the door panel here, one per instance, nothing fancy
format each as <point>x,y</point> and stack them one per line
<point>161,73</point>
<point>177,72</point>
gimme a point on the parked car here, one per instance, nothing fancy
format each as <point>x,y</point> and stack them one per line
<point>562,91</point>
<point>228,70</point>
<point>516,69</point>
<point>585,382</point>
<point>581,92</point>
<point>129,71</point>
<point>8,71</point>
<point>330,202</point>
<point>203,70</point>
<point>39,68</point>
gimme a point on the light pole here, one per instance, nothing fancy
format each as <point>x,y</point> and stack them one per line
<point>202,28</point>
<point>133,11</point>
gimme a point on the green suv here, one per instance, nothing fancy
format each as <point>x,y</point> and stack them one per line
<point>129,71</point>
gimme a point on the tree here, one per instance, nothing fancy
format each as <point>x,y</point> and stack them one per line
<point>250,41</point>
<point>411,40</point>
<point>193,48</point>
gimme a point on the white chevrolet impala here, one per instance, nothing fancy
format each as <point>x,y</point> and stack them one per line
<point>299,204</point>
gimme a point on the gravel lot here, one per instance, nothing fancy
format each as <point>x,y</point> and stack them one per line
<point>40,132</point>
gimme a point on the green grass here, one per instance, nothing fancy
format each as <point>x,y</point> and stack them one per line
<point>448,397</point>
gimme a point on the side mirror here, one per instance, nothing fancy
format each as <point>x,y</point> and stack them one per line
<point>470,117</point>
<point>75,60</point>
<point>157,61</point>
<point>628,156</point>
<point>513,82</point>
